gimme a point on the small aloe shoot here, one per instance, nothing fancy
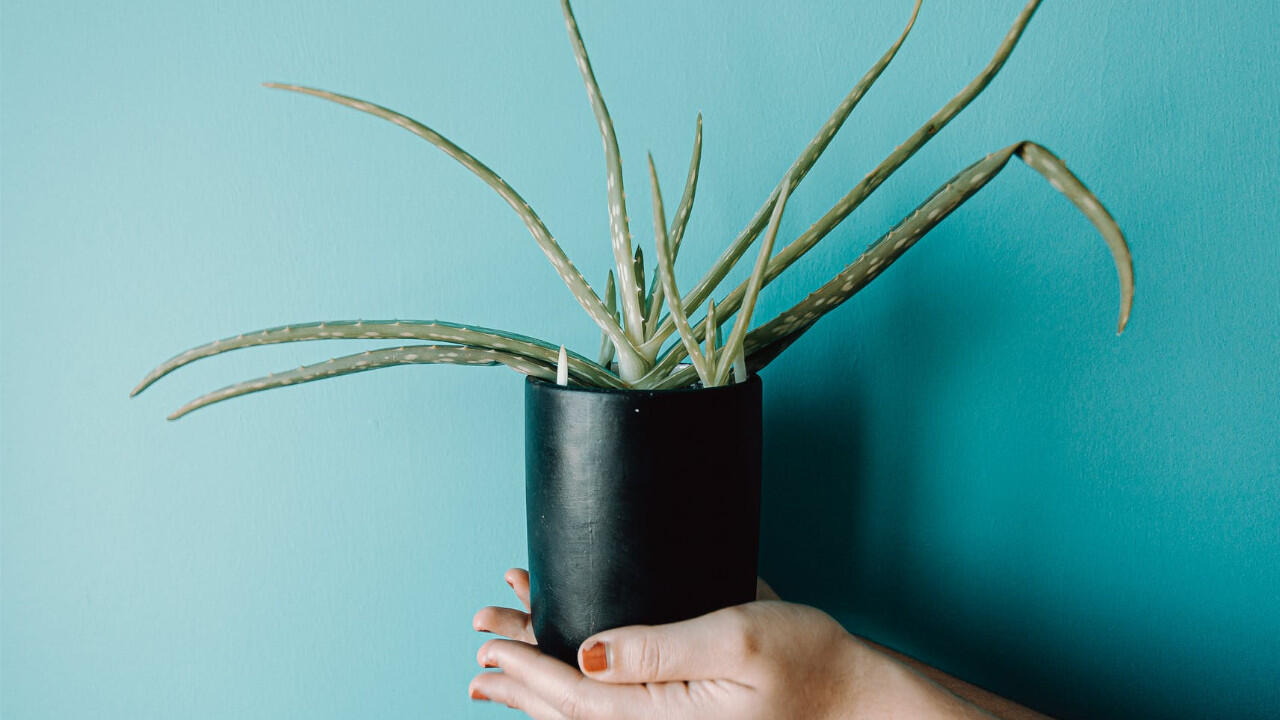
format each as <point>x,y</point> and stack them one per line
<point>562,368</point>
<point>636,351</point>
<point>610,304</point>
<point>637,266</point>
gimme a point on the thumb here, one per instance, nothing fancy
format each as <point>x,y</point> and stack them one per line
<point>713,646</point>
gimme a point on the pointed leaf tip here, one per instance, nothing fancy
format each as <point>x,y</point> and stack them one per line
<point>562,368</point>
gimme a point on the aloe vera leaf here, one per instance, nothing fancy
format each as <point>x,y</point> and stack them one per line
<point>771,338</point>
<point>437,331</point>
<point>610,304</point>
<point>710,335</point>
<point>685,207</point>
<point>562,368</point>
<point>666,270</point>
<point>740,373</point>
<point>685,375</point>
<point>676,234</point>
<point>733,346</point>
<point>895,160</point>
<point>637,266</point>
<point>372,360</point>
<point>581,290</point>
<point>618,226</point>
<point>797,172</point>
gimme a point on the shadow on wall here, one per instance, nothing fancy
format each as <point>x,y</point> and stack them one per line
<point>850,512</point>
<point>840,516</point>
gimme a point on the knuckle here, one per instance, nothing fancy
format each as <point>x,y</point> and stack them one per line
<point>570,702</point>
<point>648,656</point>
<point>746,633</point>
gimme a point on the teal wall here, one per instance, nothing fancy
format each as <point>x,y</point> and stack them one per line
<point>964,462</point>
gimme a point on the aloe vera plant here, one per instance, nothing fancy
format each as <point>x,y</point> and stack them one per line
<point>635,352</point>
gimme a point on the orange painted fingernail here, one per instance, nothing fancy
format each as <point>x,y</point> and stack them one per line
<point>477,695</point>
<point>595,657</point>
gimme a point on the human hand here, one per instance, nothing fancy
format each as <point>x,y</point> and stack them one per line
<point>765,659</point>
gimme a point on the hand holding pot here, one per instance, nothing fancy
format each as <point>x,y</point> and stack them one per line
<point>765,659</point>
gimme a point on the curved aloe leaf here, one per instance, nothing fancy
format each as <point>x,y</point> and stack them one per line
<point>764,343</point>
<point>372,360</point>
<point>797,172</point>
<point>889,165</point>
<point>436,331</point>
<point>903,152</point>
<point>666,271</point>
<point>618,228</point>
<point>876,177</point>
<point>768,340</point>
<point>559,260</point>
<point>733,347</point>
<point>676,235</point>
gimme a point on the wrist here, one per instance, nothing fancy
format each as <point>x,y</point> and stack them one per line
<point>877,685</point>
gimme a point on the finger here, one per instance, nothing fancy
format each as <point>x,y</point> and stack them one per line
<point>502,688</point>
<point>560,686</point>
<point>518,579</point>
<point>764,592</point>
<point>506,622</point>
<point>716,646</point>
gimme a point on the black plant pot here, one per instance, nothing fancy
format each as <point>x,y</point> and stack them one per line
<point>643,506</point>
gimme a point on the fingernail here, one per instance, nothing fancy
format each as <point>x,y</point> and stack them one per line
<point>477,695</point>
<point>489,663</point>
<point>595,657</point>
<point>510,584</point>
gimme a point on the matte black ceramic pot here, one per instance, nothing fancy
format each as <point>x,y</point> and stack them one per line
<point>643,506</point>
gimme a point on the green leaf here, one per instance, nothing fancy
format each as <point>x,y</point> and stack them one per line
<point>767,341</point>
<point>611,304</point>
<point>733,347</point>
<point>372,360</point>
<point>559,260</point>
<point>584,370</point>
<point>617,196</point>
<point>666,270</point>
<point>873,179</point>
<point>637,267</point>
<point>676,235</point>
<point>711,334</point>
<point>797,172</point>
<point>901,154</point>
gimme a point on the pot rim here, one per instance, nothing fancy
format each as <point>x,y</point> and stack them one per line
<point>754,379</point>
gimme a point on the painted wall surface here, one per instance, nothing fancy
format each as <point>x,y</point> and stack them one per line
<point>964,462</point>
